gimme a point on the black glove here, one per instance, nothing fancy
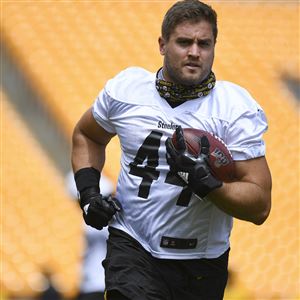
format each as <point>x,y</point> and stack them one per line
<point>193,170</point>
<point>97,210</point>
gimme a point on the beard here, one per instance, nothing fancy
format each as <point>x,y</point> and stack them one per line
<point>176,74</point>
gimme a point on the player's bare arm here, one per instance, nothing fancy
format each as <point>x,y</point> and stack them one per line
<point>88,157</point>
<point>248,198</point>
<point>89,142</point>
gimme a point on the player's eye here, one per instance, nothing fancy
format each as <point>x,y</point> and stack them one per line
<point>204,43</point>
<point>183,42</point>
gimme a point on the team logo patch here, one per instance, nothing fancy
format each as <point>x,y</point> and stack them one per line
<point>177,243</point>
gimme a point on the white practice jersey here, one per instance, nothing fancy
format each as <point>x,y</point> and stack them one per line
<point>156,209</point>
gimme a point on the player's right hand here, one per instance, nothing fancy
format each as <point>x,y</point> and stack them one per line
<point>194,171</point>
<point>97,210</point>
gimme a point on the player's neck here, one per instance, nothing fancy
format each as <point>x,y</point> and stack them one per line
<point>176,94</point>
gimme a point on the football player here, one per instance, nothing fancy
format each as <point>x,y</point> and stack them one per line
<point>169,239</point>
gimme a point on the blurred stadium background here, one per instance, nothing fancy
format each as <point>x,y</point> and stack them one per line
<point>55,58</point>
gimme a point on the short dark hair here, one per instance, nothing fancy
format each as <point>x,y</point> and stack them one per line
<point>188,10</point>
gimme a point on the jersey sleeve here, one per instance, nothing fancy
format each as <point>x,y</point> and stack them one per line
<point>245,134</point>
<point>123,90</point>
<point>102,111</point>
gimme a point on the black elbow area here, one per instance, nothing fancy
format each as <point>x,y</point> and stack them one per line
<point>261,218</point>
<point>259,221</point>
<point>263,214</point>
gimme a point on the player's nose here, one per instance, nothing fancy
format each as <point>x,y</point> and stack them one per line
<point>194,50</point>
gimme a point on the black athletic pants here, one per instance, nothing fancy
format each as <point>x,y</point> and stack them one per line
<point>132,273</point>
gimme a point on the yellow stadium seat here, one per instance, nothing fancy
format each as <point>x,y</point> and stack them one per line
<point>40,225</point>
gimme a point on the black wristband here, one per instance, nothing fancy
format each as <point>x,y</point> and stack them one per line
<point>87,177</point>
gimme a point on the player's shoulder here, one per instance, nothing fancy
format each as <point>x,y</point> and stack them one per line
<point>131,73</point>
<point>131,81</point>
<point>229,92</point>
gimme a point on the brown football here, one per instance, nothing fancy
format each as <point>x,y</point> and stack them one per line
<point>220,159</point>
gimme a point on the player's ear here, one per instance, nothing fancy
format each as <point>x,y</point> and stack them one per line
<point>162,45</point>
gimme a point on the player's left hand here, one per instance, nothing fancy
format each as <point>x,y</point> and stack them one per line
<point>194,171</point>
